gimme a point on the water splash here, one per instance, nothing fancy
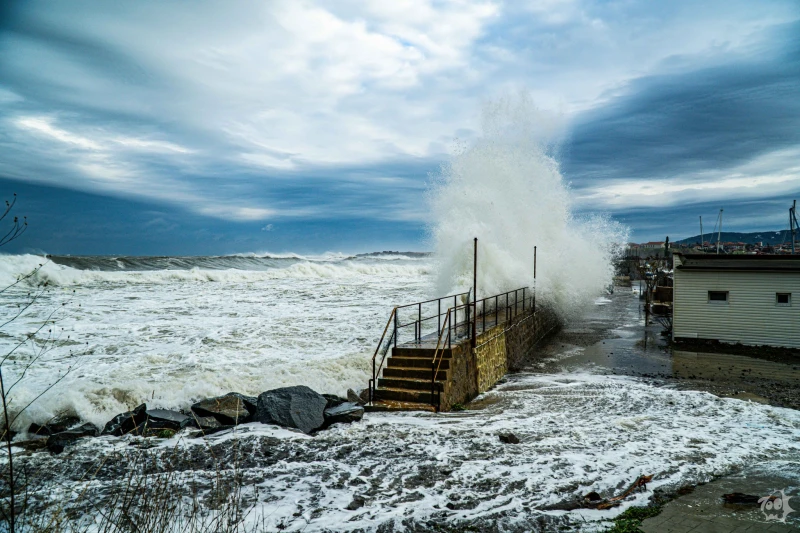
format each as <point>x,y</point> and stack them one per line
<point>506,189</point>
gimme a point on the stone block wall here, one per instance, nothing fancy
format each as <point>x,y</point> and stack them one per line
<point>498,351</point>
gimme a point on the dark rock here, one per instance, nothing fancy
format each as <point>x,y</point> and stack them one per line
<point>210,431</point>
<point>333,400</point>
<point>509,438</point>
<point>592,497</point>
<point>357,503</point>
<point>206,422</point>
<point>33,444</point>
<point>165,419</point>
<point>364,395</point>
<point>57,442</point>
<point>293,407</point>
<point>57,424</point>
<point>355,398</point>
<point>7,435</point>
<point>343,413</point>
<point>231,409</point>
<point>129,422</point>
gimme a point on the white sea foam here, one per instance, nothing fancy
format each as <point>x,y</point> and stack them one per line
<point>578,433</point>
<point>506,189</point>
<point>169,337</point>
<point>14,266</point>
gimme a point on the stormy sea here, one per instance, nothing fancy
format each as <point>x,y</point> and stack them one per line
<point>597,406</point>
<point>170,331</point>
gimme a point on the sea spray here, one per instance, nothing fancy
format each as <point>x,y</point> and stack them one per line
<point>171,330</point>
<point>506,189</point>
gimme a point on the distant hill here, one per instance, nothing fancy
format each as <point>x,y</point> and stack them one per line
<point>766,237</point>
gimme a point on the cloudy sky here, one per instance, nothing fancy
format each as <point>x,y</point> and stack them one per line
<point>177,127</point>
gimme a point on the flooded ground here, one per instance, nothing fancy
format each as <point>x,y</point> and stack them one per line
<point>612,340</point>
<point>604,402</point>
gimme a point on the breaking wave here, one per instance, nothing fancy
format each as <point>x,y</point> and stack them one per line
<point>506,189</point>
<point>70,271</point>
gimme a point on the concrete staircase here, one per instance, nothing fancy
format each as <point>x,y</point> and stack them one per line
<point>406,381</point>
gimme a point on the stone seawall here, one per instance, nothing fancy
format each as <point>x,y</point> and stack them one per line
<point>499,350</point>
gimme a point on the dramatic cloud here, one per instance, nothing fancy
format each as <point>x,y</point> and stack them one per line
<point>291,113</point>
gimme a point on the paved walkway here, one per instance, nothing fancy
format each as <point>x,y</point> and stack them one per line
<point>703,511</point>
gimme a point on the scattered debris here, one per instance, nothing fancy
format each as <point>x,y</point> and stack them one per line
<point>508,438</point>
<point>740,498</point>
<point>357,503</point>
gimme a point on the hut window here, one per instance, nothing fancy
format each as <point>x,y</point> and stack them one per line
<point>783,298</point>
<point>718,296</point>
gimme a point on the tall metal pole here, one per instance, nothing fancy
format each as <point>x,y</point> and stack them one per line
<point>702,239</point>
<point>793,222</point>
<point>534,279</point>
<point>719,234</point>
<point>475,295</point>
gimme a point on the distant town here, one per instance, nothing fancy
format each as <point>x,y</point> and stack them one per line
<point>656,247</point>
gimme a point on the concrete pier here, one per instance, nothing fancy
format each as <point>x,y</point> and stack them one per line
<point>503,342</point>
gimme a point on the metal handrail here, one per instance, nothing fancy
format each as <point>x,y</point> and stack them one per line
<point>433,300</point>
<point>375,355</point>
<point>471,316</point>
<point>418,322</point>
<point>434,367</point>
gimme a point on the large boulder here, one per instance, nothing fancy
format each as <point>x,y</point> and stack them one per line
<point>333,400</point>
<point>166,419</point>
<point>231,409</point>
<point>58,441</point>
<point>206,422</point>
<point>345,413</point>
<point>128,422</point>
<point>352,396</point>
<point>57,424</point>
<point>292,407</point>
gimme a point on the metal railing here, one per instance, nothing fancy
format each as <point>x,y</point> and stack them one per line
<point>411,315</point>
<point>376,371</point>
<point>436,387</point>
<point>456,322</point>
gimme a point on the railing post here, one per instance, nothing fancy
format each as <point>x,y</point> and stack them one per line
<point>419,320</point>
<point>439,316</point>
<point>396,333</point>
<point>534,279</point>
<point>475,293</point>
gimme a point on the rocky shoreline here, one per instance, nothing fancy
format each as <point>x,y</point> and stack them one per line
<point>299,408</point>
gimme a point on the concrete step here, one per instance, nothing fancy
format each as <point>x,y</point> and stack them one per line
<point>405,383</point>
<point>415,362</point>
<point>403,395</point>
<point>426,353</point>
<point>413,373</point>
<point>391,405</point>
